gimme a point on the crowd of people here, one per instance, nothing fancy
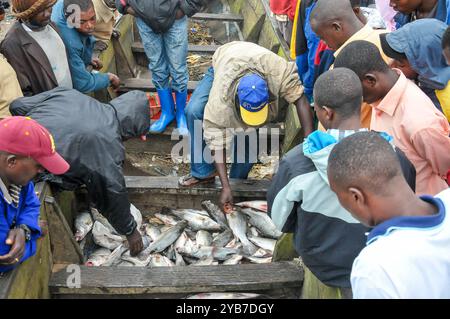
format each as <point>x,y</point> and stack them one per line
<point>366,192</point>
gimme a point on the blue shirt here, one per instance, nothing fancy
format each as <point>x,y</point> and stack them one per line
<point>79,53</point>
<point>27,213</point>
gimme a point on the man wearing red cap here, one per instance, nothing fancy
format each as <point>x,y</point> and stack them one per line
<point>26,149</point>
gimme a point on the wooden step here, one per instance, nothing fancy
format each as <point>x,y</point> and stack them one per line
<point>273,279</point>
<point>151,194</point>
<point>138,47</point>
<point>147,85</point>
<point>218,17</point>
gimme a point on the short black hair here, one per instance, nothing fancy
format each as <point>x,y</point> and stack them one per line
<point>84,5</point>
<point>446,38</point>
<point>364,159</point>
<point>341,90</point>
<point>328,10</point>
<point>361,57</point>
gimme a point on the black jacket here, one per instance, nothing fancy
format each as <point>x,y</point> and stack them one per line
<point>160,14</point>
<point>89,135</point>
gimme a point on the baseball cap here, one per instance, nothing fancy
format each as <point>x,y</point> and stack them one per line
<point>23,136</point>
<point>253,95</point>
<point>392,47</point>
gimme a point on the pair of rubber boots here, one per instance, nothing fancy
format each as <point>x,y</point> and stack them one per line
<point>168,113</point>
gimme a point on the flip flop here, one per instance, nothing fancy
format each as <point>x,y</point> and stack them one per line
<point>185,180</point>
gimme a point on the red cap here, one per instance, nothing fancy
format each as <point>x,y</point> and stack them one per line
<point>23,136</point>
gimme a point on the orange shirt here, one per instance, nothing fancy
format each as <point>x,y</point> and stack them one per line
<point>419,130</point>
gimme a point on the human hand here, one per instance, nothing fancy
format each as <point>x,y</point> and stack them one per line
<point>16,238</point>
<point>114,81</point>
<point>135,243</point>
<point>97,64</point>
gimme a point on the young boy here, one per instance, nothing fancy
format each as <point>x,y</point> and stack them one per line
<point>402,110</point>
<point>407,250</point>
<point>325,235</point>
<point>26,149</point>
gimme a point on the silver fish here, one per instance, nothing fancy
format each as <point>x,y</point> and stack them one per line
<point>141,260</point>
<point>238,226</point>
<point>216,213</point>
<point>233,260</point>
<point>223,239</point>
<point>167,238</point>
<point>158,260</point>
<point>209,251</point>
<point>225,295</point>
<point>259,205</point>
<point>197,221</point>
<point>170,253</point>
<point>83,225</point>
<point>203,238</point>
<point>257,260</point>
<point>252,231</point>
<point>98,257</point>
<point>208,261</point>
<point>167,219</point>
<point>265,243</point>
<point>181,241</point>
<point>114,256</point>
<point>152,231</point>
<point>179,261</point>
<point>125,263</point>
<point>262,222</point>
<point>103,237</point>
<point>262,253</point>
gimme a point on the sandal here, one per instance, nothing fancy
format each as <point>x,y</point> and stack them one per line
<point>189,180</point>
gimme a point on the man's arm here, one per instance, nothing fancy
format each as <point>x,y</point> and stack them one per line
<point>191,7</point>
<point>226,198</point>
<point>305,115</point>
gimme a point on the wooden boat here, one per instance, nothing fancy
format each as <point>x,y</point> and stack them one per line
<point>50,273</point>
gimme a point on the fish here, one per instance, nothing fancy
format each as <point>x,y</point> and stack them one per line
<point>179,261</point>
<point>260,205</point>
<point>181,241</point>
<point>170,253</point>
<point>238,225</point>
<point>216,213</point>
<point>262,253</point>
<point>252,231</point>
<point>158,260</point>
<point>265,243</point>
<point>136,213</point>
<point>141,260</point>
<point>83,225</point>
<point>167,219</point>
<point>203,238</point>
<point>223,238</point>
<point>102,219</point>
<point>225,295</point>
<point>262,222</point>
<point>233,260</point>
<point>196,221</point>
<point>152,231</point>
<point>257,260</point>
<point>103,237</point>
<point>125,263</point>
<point>208,261</point>
<point>155,221</point>
<point>209,251</point>
<point>167,238</point>
<point>114,256</point>
<point>98,257</point>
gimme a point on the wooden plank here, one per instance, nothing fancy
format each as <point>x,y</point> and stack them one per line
<point>218,17</point>
<point>147,85</point>
<point>138,47</point>
<point>175,280</point>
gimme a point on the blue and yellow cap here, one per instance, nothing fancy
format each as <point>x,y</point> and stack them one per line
<point>253,95</point>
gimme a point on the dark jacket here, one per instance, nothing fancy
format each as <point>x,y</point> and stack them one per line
<point>300,201</point>
<point>89,134</point>
<point>30,62</point>
<point>160,14</point>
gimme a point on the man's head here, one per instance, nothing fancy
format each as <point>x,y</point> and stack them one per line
<point>406,6</point>
<point>253,98</point>
<point>80,14</point>
<point>363,171</point>
<point>356,6</point>
<point>392,48</point>
<point>446,45</point>
<point>337,97</point>
<point>34,13</point>
<point>27,148</point>
<point>334,22</point>
<point>365,60</point>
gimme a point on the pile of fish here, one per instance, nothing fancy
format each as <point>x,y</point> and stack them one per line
<point>181,237</point>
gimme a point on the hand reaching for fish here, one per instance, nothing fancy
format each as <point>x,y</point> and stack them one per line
<point>226,200</point>
<point>135,243</point>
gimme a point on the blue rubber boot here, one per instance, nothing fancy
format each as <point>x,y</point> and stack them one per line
<point>167,110</point>
<point>181,98</point>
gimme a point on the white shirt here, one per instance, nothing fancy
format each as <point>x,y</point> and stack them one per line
<point>53,46</point>
<point>407,257</point>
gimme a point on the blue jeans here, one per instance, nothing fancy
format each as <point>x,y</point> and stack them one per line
<point>167,53</point>
<point>201,167</point>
